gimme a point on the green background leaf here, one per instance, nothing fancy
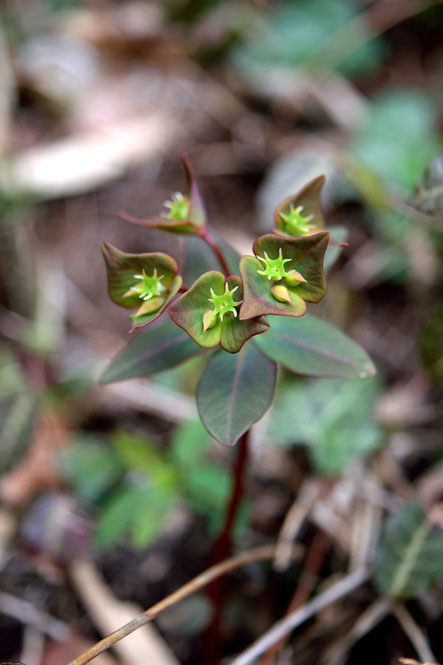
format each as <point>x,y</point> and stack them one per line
<point>409,559</point>
<point>335,418</point>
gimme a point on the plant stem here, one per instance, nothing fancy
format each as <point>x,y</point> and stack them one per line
<point>221,550</point>
<point>199,582</point>
<point>205,235</point>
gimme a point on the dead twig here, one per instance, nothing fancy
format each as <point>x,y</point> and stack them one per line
<point>314,561</point>
<point>285,626</point>
<point>202,580</point>
<point>23,611</point>
<point>414,633</point>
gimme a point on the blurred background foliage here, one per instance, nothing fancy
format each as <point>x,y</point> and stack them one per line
<point>98,99</point>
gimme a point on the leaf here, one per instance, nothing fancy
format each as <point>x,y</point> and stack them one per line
<point>307,200</point>
<point>139,510</point>
<point>208,487</point>
<point>409,558</point>
<point>154,350</point>
<point>189,312</point>
<point>90,466</point>
<point>302,33</point>
<point>137,452</point>
<point>300,255</point>
<point>429,194</point>
<point>398,138</point>
<point>337,420</point>
<point>189,442</point>
<point>314,347</point>
<point>234,392</point>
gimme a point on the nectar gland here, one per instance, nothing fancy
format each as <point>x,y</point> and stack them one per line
<point>223,304</point>
<point>296,221</point>
<point>178,207</point>
<point>147,287</point>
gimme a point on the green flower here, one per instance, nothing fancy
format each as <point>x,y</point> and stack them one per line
<point>301,215</point>
<point>178,207</point>
<point>185,212</point>
<point>145,282</point>
<point>284,274</point>
<point>208,312</point>
<point>296,222</point>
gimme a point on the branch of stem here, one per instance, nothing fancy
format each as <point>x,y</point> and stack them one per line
<point>209,240</point>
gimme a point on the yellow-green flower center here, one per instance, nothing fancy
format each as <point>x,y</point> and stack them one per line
<point>222,304</point>
<point>178,207</point>
<point>296,222</point>
<point>148,287</point>
<point>273,268</point>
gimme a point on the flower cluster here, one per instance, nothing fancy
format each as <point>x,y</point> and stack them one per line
<point>284,273</point>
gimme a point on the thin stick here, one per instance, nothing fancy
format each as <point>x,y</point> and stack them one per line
<point>285,626</point>
<point>209,240</point>
<point>202,580</point>
<point>314,561</point>
<point>414,633</point>
<point>23,611</point>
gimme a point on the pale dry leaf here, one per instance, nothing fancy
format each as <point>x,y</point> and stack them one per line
<point>145,645</point>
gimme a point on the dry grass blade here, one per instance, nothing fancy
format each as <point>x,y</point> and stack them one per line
<point>202,580</point>
<point>285,626</point>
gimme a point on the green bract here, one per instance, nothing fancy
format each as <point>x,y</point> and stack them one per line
<point>284,274</point>
<point>300,214</point>
<point>147,282</point>
<point>185,212</point>
<point>208,312</point>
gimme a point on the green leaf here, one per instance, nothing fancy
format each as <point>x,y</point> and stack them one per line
<point>337,420</point>
<point>90,466</point>
<point>301,214</point>
<point>137,452</point>
<point>208,487</point>
<point>409,559</point>
<point>189,442</point>
<point>302,257</point>
<point>152,515</point>
<point>154,350</point>
<point>224,328</point>
<point>398,138</point>
<point>302,33</point>
<point>314,347</point>
<point>234,392</point>
<point>139,510</point>
<point>429,194</point>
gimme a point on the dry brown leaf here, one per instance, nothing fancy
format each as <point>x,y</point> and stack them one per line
<point>37,470</point>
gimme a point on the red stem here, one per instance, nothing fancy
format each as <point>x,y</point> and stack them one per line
<point>209,240</point>
<point>222,549</point>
